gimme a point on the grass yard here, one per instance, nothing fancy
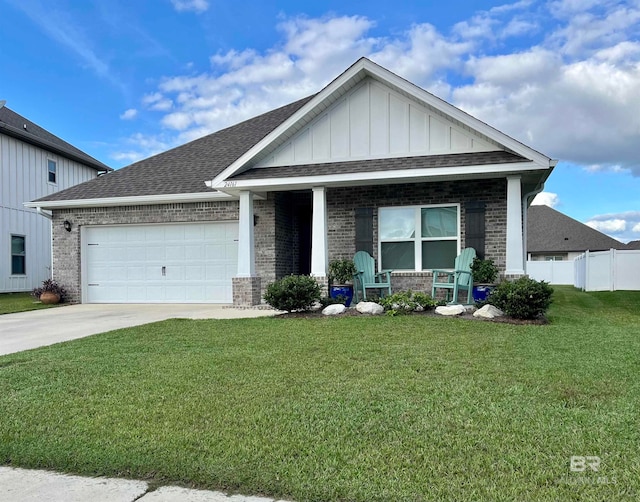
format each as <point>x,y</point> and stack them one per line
<point>359,409</point>
<point>20,302</point>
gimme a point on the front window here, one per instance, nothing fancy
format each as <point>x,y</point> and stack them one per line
<point>18,255</point>
<point>419,237</point>
<point>51,171</point>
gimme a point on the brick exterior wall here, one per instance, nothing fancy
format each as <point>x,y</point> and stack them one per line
<point>342,202</point>
<point>280,220</point>
<point>66,245</point>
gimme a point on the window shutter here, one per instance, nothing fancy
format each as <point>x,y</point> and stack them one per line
<point>364,229</point>
<point>474,227</point>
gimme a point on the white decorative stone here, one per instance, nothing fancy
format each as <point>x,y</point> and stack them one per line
<point>369,308</point>
<point>488,312</point>
<point>450,310</point>
<point>335,309</point>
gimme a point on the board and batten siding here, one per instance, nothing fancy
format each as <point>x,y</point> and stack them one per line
<point>23,178</point>
<point>374,121</point>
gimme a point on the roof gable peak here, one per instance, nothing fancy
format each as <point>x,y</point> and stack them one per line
<point>345,82</point>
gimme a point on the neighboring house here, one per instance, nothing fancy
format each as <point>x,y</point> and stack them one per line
<point>33,163</point>
<point>372,162</point>
<point>633,245</point>
<point>552,235</point>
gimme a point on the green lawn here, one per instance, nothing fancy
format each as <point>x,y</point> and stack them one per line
<point>359,409</point>
<point>20,302</point>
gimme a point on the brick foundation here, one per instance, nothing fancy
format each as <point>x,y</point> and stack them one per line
<point>246,291</point>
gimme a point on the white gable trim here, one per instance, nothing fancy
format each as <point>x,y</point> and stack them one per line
<point>358,71</point>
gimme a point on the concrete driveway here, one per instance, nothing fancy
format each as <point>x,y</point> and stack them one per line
<point>37,328</point>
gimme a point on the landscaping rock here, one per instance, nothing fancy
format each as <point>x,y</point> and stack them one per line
<point>470,309</point>
<point>450,310</point>
<point>488,312</point>
<point>369,308</point>
<point>335,309</point>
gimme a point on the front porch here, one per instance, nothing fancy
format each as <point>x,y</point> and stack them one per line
<point>300,231</point>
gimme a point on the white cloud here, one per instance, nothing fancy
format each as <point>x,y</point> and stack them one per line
<point>142,146</point>
<point>614,226</point>
<point>623,226</point>
<point>190,5</point>
<point>546,199</point>
<point>572,102</point>
<point>157,102</point>
<point>128,157</point>
<point>129,114</point>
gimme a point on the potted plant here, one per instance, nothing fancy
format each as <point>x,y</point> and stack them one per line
<point>484,274</point>
<point>341,279</point>
<point>50,292</point>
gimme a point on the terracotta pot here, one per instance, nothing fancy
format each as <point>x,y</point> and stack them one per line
<point>49,298</point>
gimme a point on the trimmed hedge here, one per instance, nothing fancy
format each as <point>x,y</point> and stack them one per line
<point>523,298</point>
<point>293,292</point>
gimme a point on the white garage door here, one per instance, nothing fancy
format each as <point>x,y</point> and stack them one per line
<point>168,263</point>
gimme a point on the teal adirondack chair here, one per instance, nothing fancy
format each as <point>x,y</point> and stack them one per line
<point>458,279</point>
<point>367,278</point>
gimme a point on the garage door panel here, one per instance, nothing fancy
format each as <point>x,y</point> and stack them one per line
<point>153,252</point>
<point>124,264</point>
<point>175,252</point>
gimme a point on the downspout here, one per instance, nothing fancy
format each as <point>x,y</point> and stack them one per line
<point>525,204</point>
<point>39,210</point>
<point>49,216</point>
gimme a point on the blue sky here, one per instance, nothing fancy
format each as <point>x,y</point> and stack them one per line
<point>125,80</point>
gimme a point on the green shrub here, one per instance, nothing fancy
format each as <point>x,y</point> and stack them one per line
<point>484,271</point>
<point>341,271</point>
<point>406,301</point>
<point>524,298</point>
<point>293,292</point>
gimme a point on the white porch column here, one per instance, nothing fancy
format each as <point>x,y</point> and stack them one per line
<point>319,245</point>
<point>515,252</point>
<point>246,251</point>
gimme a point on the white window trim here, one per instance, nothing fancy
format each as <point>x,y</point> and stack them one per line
<point>11,255</point>
<point>55,162</point>
<point>419,240</point>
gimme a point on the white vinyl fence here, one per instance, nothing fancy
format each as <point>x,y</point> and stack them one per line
<point>608,270</point>
<point>553,272</point>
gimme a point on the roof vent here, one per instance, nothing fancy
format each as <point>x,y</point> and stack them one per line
<point>24,126</point>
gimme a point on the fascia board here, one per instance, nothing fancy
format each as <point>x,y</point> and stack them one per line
<point>379,176</point>
<point>142,200</point>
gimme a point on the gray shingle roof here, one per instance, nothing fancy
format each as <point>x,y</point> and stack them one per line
<point>393,164</point>
<point>551,231</point>
<point>633,245</point>
<point>183,169</point>
<point>15,125</point>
